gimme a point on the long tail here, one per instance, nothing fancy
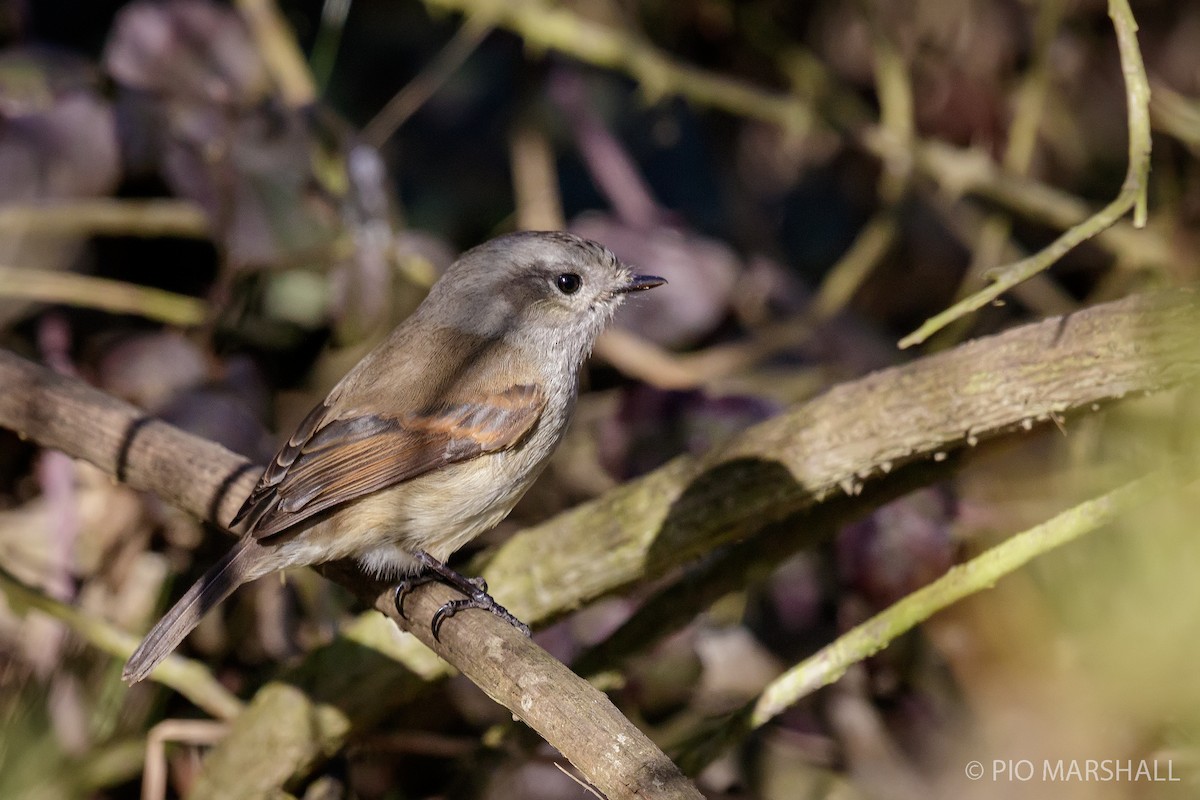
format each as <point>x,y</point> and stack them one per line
<point>218,583</point>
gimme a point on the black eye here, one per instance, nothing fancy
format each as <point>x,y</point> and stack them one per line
<point>568,283</point>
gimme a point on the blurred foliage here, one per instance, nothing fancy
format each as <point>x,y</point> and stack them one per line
<point>151,144</point>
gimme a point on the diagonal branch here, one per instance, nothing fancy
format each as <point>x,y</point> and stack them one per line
<point>208,480</point>
<point>832,444</point>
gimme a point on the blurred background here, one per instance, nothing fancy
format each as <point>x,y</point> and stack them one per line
<point>213,210</point>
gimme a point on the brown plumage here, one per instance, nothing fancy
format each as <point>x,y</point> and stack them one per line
<point>329,462</point>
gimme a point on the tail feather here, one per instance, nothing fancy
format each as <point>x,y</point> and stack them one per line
<point>217,584</point>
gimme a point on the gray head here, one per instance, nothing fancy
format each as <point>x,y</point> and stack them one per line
<point>546,289</point>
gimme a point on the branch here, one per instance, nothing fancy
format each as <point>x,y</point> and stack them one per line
<point>88,291</point>
<point>106,217</point>
<point>981,572</point>
<point>832,661</point>
<point>1132,194</point>
<point>209,481</point>
<point>957,170</point>
<point>832,444</point>
<point>823,450</point>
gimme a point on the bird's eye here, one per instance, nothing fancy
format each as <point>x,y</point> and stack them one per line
<point>568,283</point>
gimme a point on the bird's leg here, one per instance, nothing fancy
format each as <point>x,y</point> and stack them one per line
<point>475,590</point>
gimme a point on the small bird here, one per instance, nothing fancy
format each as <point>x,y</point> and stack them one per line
<point>432,438</point>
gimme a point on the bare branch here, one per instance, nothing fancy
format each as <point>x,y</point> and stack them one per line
<point>957,170</point>
<point>88,291</point>
<point>210,481</point>
<point>1132,194</point>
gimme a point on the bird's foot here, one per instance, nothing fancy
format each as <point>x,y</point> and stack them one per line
<point>475,590</point>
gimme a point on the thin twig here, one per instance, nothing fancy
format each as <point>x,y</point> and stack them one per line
<point>431,78</point>
<point>188,731</point>
<point>967,222</point>
<point>577,780</point>
<point>278,49</point>
<point>1132,194</point>
<point>106,217</point>
<point>982,572</point>
<point>104,294</point>
<point>957,170</point>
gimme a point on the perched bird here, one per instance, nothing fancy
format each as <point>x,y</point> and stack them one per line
<point>433,437</point>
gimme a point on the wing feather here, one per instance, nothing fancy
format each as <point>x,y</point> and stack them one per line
<point>328,462</point>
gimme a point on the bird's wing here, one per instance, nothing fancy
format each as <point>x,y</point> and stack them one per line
<point>330,461</point>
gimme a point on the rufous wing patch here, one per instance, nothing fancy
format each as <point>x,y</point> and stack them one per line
<point>329,462</point>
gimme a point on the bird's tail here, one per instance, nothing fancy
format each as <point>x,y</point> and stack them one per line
<point>218,583</point>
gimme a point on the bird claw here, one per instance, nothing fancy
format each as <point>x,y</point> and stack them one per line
<point>406,587</point>
<point>475,589</point>
<point>481,600</point>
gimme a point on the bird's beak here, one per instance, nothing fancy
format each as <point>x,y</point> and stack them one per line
<point>640,283</point>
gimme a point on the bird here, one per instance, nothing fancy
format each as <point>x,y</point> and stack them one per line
<point>433,437</point>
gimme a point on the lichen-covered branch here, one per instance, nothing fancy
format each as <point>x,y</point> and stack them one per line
<point>832,444</point>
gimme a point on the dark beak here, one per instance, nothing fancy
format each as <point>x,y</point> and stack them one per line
<point>640,283</point>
